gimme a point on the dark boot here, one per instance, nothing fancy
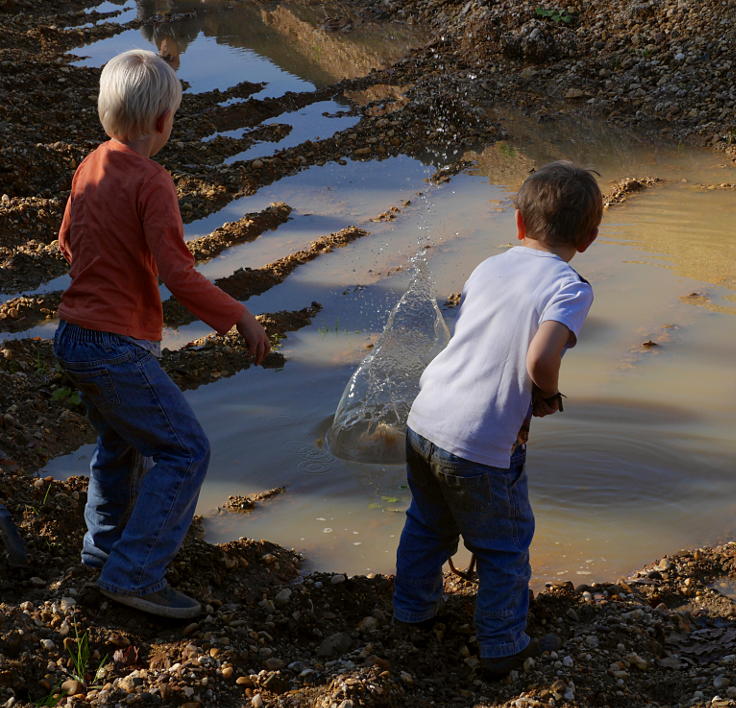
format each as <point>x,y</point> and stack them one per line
<point>497,668</point>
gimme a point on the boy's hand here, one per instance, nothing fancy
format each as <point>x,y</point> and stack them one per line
<point>255,336</point>
<point>545,405</point>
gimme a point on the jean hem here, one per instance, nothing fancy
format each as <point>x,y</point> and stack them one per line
<point>155,587</point>
<point>500,651</point>
<point>413,618</point>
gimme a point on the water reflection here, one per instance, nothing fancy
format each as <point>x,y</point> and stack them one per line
<point>294,37</point>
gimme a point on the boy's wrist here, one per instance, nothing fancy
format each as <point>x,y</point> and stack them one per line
<point>555,398</point>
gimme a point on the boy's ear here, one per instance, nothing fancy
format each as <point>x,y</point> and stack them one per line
<point>520,226</point>
<point>588,240</point>
<point>161,121</point>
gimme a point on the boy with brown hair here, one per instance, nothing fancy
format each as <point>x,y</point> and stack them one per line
<point>465,456</point>
<point>121,232</point>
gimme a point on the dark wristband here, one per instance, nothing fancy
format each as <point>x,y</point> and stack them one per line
<point>557,397</point>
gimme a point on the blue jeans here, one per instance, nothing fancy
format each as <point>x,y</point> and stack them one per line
<point>489,507</point>
<point>136,517</point>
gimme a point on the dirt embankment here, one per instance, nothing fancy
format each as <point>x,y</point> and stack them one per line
<point>664,65</point>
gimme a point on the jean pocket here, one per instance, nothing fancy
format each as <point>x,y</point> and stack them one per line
<point>466,493</point>
<point>95,384</point>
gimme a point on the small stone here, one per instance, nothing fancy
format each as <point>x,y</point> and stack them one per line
<point>72,687</point>
<point>721,682</point>
<point>245,681</point>
<point>334,644</point>
<point>283,597</point>
<point>347,703</point>
<point>227,672</point>
<point>256,701</point>
<point>367,624</point>
<point>568,661</point>
<point>267,605</point>
<point>573,93</point>
<point>48,644</point>
<point>128,683</point>
<point>337,579</point>
<point>273,663</point>
<point>637,661</point>
<point>67,603</point>
<point>591,641</point>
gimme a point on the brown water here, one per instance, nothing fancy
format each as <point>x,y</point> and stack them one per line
<point>642,461</point>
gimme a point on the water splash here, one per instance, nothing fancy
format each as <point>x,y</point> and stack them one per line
<point>370,420</point>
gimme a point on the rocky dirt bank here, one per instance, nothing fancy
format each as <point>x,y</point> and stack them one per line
<point>666,636</point>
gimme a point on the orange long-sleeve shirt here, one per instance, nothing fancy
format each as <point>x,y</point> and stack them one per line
<point>121,232</point>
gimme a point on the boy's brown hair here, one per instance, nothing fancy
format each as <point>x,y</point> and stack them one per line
<point>561,204</point>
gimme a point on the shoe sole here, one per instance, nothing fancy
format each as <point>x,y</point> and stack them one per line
<point>153,608</point>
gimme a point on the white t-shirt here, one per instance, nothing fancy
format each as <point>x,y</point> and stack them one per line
<point>475,394</point>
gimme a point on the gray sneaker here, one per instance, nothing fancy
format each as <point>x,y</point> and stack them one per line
<point>164,603</point>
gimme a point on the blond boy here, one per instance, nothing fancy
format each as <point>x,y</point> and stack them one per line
<point>121,233</point>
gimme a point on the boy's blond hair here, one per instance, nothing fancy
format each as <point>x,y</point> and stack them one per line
<point>136,87</point>
<point>561,204</point>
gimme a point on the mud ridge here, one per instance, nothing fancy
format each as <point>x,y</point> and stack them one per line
<point>25,311</point>
<point>622,190</point>
<point>246,282</point>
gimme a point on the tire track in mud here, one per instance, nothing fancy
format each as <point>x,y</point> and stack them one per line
<point>246,282</point>
<point>26,311</point>
<point>36,398</point>
<point>429,130</point>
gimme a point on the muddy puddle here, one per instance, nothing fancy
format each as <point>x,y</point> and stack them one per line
<point>642,461</point>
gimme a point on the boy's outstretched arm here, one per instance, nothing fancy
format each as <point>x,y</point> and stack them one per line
<point>543,363</point>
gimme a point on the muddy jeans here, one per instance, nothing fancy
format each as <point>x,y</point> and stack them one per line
<point>136,518</point>
<point>489,507</point>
